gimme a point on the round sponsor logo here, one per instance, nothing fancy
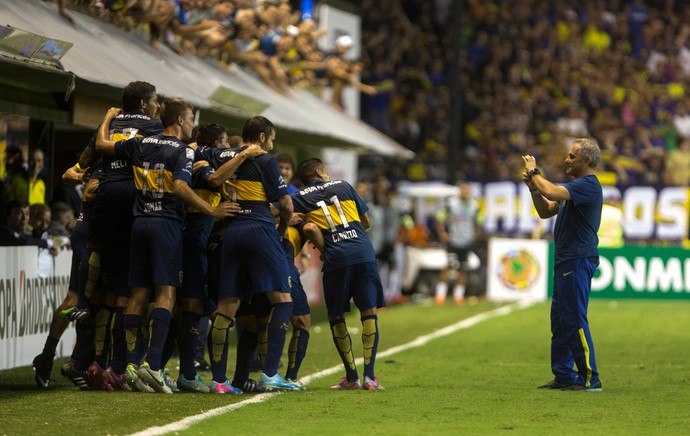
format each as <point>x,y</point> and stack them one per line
<point>518,269</point>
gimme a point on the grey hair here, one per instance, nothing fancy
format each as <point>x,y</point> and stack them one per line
<point>589,150</point>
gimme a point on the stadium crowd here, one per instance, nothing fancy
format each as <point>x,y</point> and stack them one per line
<point>533,75</point>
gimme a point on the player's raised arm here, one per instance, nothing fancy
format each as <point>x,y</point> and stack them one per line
<point>103,143</point>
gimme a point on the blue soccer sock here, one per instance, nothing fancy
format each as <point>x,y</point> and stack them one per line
<point>343,343</point>
<point>50,346</point>
<point>170,342</point>
<point>277,330</point>
<point>296,352</point>
<point>200,343</point>
<point>118,355</point>
<point>160,323</point>
<point>132,325</point>
<point>370,340</point>
<point>261,345</point>
<point>82,355</point>
<point>218,346</point>
<point>187,336</point>
<point>246,345</point>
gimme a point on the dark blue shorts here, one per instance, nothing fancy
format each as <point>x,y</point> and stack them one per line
<point>255,249</point>
<point>156,252</point>
<point>300,304</point>
<point>258,306</point>
<point>111,218</point>
<point>360,282</point>
<point>110,230</point>
<point>115,264</point>
<point>213,255</point>
<point>194,259</point>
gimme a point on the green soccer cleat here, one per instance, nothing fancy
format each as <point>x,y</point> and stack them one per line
<point>170,382</point>
<point>74,313</point>
<point>154,379</point>
<point>196,385</point>
<point>134,381</point>
<point>298,383</point>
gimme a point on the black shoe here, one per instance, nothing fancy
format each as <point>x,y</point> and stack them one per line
<point>251,386</point>
<point>43,366</point>
<point>202,365</point>
<point>77,378</point>
<point>591,388</point>
<point>553,384</point>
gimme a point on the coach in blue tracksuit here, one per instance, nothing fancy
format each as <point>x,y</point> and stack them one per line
<point>578,206</point>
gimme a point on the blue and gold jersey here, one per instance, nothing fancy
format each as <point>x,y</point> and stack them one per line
<point>87,205</point>
<point>122,127</point>
<point>202,188</point>
<point>292,243</point>
<point>336,208</point>
<point>216,156</point>
<point>157,161</point>
<point>255,184</point>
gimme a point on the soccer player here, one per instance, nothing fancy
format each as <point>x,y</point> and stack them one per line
<point>162,168</point>
<point>206,182</point>
<point>252,247</point>
<point>293,242</point>
<point>109,233</point>
<point>65,312</point>
<point>254,319</point>
<point>457,226</point>
<point>349,269</point>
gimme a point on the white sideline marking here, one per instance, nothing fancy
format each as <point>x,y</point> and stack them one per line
<point>187,422</point>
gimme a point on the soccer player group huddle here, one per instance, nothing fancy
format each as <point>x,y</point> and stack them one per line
<point>173,229</point>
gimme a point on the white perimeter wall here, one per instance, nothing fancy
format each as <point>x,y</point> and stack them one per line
<point>27,302</point>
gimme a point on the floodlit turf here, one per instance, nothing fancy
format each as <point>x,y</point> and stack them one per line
<point>479,380</point>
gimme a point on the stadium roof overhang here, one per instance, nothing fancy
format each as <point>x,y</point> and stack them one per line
<point>104,59</point>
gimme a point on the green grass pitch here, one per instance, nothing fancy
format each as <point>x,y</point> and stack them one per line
<point>478,380</point>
